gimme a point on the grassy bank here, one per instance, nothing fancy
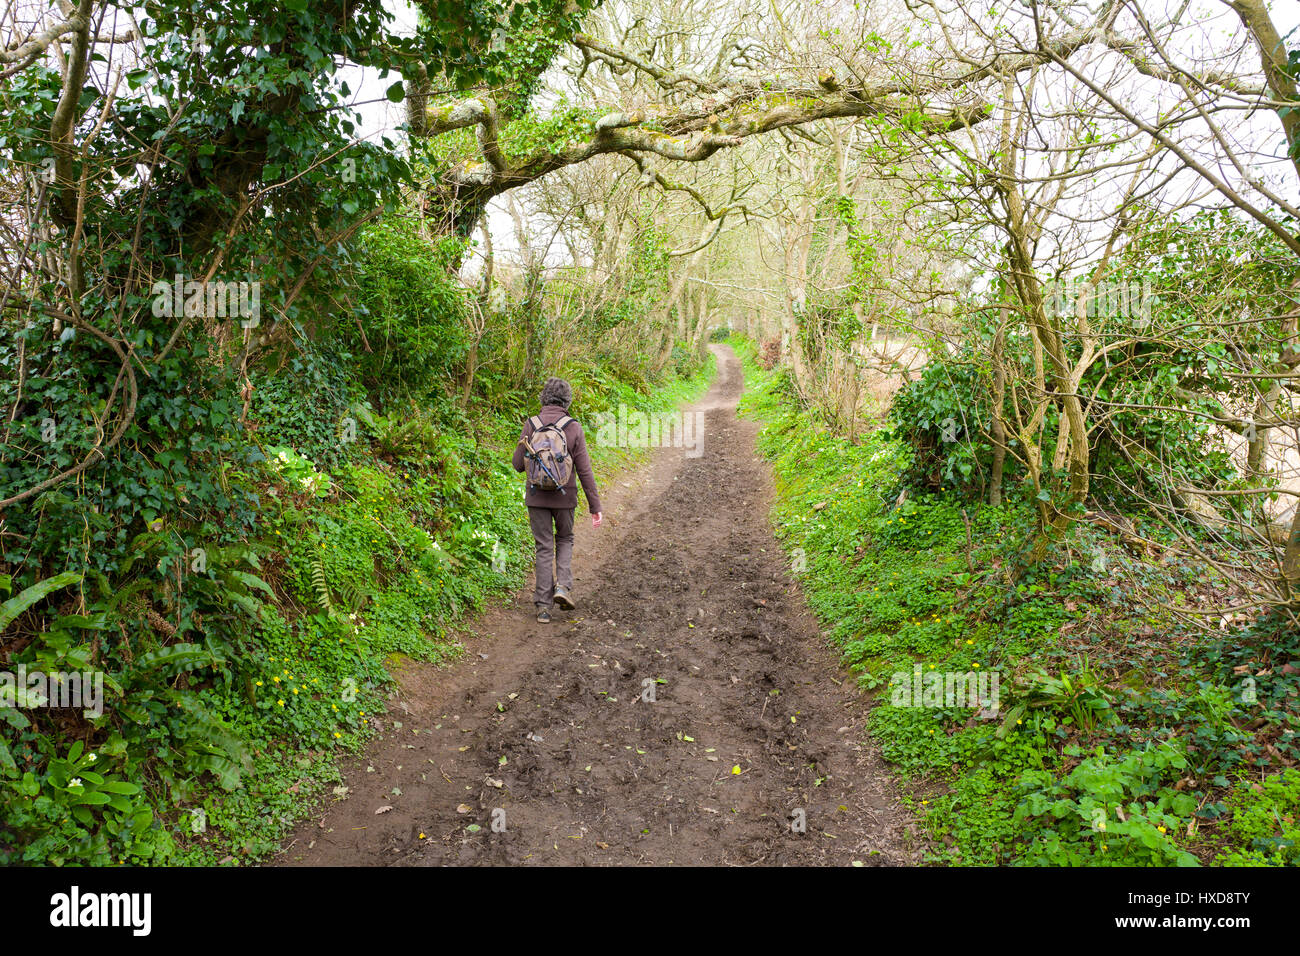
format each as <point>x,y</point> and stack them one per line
<point>1123,734</point>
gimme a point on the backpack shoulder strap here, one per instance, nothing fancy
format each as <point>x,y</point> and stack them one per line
<point>536,422</point>
<point>563,422</point>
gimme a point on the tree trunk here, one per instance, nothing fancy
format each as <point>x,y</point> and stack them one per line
<point>1291,559</point>
<point>999,427</point>
<point>1257,444</point>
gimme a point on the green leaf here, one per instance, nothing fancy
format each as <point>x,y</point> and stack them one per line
<point>7,759</point>
<point>16,605</point>
<point>224,769</point>
<point>253,581</point>
<point>119,786</point>
<point>250,606</point>
<point>82,622</point>
<point>133,713</point>
<point>177,655</point>
<point>119,803</point>
<point>396,92</point>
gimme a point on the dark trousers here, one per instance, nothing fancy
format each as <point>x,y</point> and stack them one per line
<point>553,532</point>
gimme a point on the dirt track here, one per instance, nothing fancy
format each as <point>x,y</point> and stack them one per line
<point>684,587</point>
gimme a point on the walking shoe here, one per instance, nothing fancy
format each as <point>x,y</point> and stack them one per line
<point>563,600</point>
<point>543,616</point>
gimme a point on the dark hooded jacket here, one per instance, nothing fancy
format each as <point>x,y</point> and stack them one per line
<point>566,497</point>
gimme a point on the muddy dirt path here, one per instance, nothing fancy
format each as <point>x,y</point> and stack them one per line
<point>547,732</point>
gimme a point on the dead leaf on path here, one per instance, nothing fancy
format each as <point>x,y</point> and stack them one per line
<point>464,808</point>
<point>383,809</point>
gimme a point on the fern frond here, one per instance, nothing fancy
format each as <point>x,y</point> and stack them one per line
<point>321,585</point>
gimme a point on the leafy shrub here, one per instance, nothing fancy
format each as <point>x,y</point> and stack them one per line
<point>1080,699</point>
<point>407,334</point>
<point>1109,810</point>
<point>942,416</point>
